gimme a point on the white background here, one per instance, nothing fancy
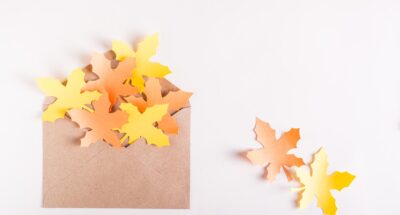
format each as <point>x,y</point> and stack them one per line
<point>330,68</point>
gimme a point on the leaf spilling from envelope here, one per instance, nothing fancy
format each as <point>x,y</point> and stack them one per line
<point>152,95</point>
<point>315,183</point>
<point>123,102</point>
<point>144,67</point>
<point>67,97</point>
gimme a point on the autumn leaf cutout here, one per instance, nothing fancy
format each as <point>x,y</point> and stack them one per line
<point>144,67</point>
<point>67,97</point>
<point>101,122</point>
<point>124,102</point>
<point>142,124</point>
<point>317,183</point>
<point>111,81</point>
<point>151,96</point>
<point>274,154</point>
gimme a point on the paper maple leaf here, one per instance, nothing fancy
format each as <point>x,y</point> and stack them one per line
<point>274,152</point>
<point>142,124</point>
<point>111,81</point>
<point>319,184</point>
<point>144,67</point>
<point>100,122</point>
<point>67,97</point>
<point>175,100</point>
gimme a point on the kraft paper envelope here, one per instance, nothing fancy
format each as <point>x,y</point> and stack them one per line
<point>100,176</point>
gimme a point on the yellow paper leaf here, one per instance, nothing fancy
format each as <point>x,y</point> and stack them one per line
<point>144,67</point>
<point>152,95</point>
<point>67,97</point>
<point>318,184</point>
<point>122,50</point>
<point>142,124</point>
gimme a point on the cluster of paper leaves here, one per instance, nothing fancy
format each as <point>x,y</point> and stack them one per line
<point>123,103</point>
<point>314,182</point>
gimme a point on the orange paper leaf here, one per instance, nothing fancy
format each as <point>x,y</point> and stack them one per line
<point>111,81</point>
<point>274,155</point>
<point>175,100</point>
<point>101,122</point>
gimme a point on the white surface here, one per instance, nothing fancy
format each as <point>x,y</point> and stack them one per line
<point>330,68</point>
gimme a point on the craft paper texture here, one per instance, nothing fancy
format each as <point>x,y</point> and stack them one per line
<point>100,176</point>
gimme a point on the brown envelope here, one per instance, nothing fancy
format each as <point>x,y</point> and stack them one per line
<point>99,176</point>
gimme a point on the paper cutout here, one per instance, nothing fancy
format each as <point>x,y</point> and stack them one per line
<point>176,100</point>
<point>319,184</point>
<point>68,96</point>
<point>315,182</point>
<point>101,122</point>
<point>122,50</point>
<point>142,124</point>
<point>103,119</point>
<point>111,81</point>
<point>274,152</point>
<point>144,67</point>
